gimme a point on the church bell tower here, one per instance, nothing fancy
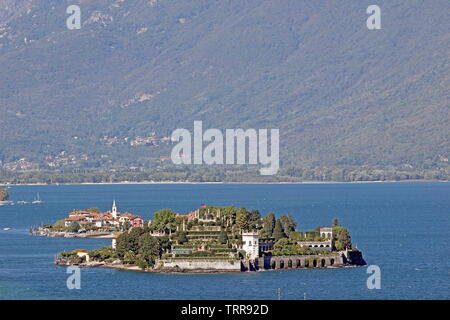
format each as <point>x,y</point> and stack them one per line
<point>114,210</point>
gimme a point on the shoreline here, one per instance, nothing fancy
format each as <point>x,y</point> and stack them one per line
<point>136,268</point>
<point>123,267</point>
<point>219,183</point>
<point>332,260</point>
<point>44,232</point>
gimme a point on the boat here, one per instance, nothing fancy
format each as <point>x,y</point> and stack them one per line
<point>22,202</point>
<point>37,200</point>
<point>6,229</point>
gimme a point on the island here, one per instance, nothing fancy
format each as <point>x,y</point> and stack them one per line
<point>215,239</point>
<point>91,223</point>
<point>4,196</point>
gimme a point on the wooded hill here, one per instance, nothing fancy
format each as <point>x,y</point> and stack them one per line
<point>340,94</point>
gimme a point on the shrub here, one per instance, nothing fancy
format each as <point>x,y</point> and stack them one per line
<point>129,258</point>
<point>74,227</point>
<point>141,263</point>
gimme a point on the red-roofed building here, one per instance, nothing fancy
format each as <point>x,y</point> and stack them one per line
<point>106,219</point>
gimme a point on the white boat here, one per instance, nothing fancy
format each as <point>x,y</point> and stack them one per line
<point>6,229</point>
<point>37,200</point>
<point>22,202</point>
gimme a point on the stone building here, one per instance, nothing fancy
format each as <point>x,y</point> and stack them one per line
<point>326,232</point>
<point>325,245</point>
<point>250,244</point>
<point>266,244</point>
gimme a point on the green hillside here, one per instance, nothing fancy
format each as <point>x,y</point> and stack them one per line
<point>340,94</point>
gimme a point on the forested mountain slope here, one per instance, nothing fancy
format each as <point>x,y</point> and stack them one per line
<point>339,93</point>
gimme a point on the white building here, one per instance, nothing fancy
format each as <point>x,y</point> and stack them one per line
<point>250,244</point>
<point>323,245</point>
<point>114,210</point>
<point>114,241</point>
<point>326,232</point>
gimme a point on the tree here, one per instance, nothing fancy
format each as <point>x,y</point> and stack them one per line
<point>164,243</point>
<point>129,241</point>
<point>295,236</point>
<point>4,195</point>
<point>268,225</point>
<point>126,225</point>
<point>149,248</point>
<point>164,220</point>
<point>342,239</point>
<point>122,245</point>
<point>281,244</point>
<point>288,223</point>
<point>182,237</point>
<point>103,254</point>
<point>93,210</point>
<point>278,232</point>
<point>313,235</point>
<point>129,257</point>
<point>242,220</point>
<point>223,237</point>
<point>335,222</point>
<point>254,219</point>
<point>74,226</point>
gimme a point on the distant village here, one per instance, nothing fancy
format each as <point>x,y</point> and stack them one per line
<point>151,140</point>
<point>65,158</point>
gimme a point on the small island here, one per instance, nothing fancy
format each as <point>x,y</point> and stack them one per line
<point>4,196</point>
<point>220,239</point>
<point>91,223</point>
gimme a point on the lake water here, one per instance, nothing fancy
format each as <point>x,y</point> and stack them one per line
<point>401,227</point>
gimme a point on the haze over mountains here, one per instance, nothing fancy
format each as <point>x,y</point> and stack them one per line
<point>339,93</point>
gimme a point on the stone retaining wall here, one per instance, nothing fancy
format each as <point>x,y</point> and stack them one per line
<point>200,264</point>
<point>293,262</point>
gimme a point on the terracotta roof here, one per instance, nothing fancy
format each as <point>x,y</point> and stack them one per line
<point>82,214</point>
<point>130,215</point>
<point>75,218</point>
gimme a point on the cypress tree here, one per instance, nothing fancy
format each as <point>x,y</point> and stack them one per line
<point>268,225</point>
<point>278,232</point>
<point>223,237</point>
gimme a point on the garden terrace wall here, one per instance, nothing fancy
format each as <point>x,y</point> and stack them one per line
<point>294,262</point>
<point>205,264</point>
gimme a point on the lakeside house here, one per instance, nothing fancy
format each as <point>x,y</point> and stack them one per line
<point>107,219</point>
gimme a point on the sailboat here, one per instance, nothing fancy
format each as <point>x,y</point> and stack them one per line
<point>37,200</point>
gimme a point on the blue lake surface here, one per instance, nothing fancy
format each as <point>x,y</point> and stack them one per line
<point>401,227</point>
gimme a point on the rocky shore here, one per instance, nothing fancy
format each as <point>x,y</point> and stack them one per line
<point>343,260</point>
<point>45,232</point>
<point>127,267</point>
